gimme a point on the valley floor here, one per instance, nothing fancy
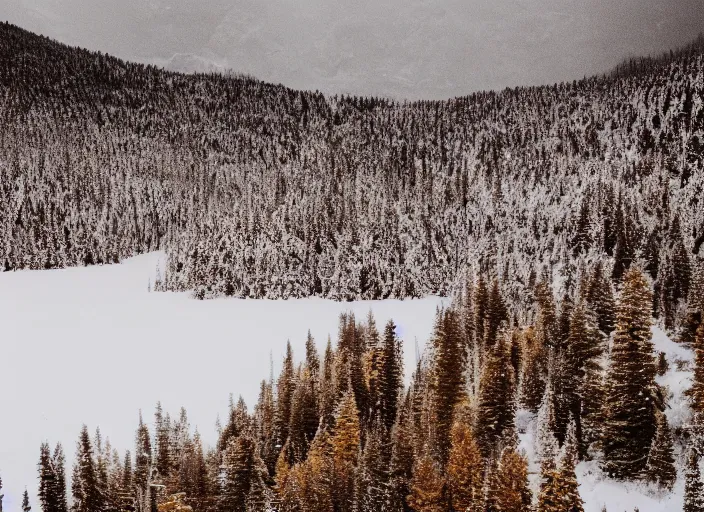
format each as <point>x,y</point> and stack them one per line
<point>63,331</point>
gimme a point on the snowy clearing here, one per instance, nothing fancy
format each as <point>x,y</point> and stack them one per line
<point>62,331</point>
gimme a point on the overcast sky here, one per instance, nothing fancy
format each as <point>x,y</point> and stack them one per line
<point>399,48</point>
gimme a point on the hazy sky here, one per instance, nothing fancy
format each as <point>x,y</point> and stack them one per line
<point>400,48</point>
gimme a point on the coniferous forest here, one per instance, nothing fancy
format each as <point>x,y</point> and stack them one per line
<point>563,221</point>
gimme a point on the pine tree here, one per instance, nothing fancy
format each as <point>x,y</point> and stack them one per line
<point>162,442</point>
<point>392,375</point>
<point>143,457</point>
<point>345,443</point>
<point>569,488</point>
<point>693,488</point>
<point>447,378</point>
<point>629,424</point>
<point>661,462</point>
<point>496,408</point>
<point>84,484</point>
<point>402,455</point>
<point>509,487</point>
<point>600,299</point>
<point>584,347</point>
<point>47,479</point>
<point>1,494</point>
<point>533,370</point>
<point>696,392</point>
<point>373,488</point>
<point>465,470</point>
<point>58,463</point>
<point>427,490</point>
<point>238,472</point>
<point>25,502</point>
<point>284,396</point>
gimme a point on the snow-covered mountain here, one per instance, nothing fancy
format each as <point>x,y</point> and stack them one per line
<point>401,48</point>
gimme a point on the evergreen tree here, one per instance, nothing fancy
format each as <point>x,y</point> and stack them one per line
<point>284,396</point>
<point>496,408</point>
<point>696,392</point>
<point>661,462</point>
<point>465,470</point>
<point>47,479</point>
<point>402,455</point>
<point>143,457</point>
<point>345,450</point>
<point>25,502</point>
<point>162,442</point>
<point>600,299</point>
<point>569,488</point>
<point>238,472</point>
<point>693,488</point>
<point>629,424</point>
<point>373,489</point>
<point>533,370</point>
<point>427,487</point>
<point>84,484</point>
<point>509,489</point>
<point>392,375</point>
<point>447,378</point>
<point>59,491</point>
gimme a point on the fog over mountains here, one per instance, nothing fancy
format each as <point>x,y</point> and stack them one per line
<point>399,48</point>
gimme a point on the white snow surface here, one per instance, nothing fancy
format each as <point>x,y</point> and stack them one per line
<point>595,488</point>
<point>91,345</point>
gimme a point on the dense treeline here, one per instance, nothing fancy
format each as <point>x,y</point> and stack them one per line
<point>256,190</point>
<point>339,431</point>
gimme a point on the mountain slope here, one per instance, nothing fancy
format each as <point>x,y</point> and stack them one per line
<point>257,190</point>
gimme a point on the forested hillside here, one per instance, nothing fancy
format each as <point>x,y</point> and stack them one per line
<point>256,190</point>
<point>498,417</point>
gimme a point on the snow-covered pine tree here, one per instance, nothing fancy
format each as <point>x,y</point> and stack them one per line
<point>25,502</point>
<point>568,479</point>
<point>509,483</point>
<point>84,483</point>
<point>447,378</point>
<point>630,419</point>
<point>599,296</point>
<point>496,408</point>
<point>345,443</point>
<point>661,462</point>
<point>427,490</point>
<point>693,488</point>
<point>465,470</point>
<point>696,392</point>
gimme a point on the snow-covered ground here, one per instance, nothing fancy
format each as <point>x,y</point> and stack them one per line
<point>92,345</point>
<point>595,488</point>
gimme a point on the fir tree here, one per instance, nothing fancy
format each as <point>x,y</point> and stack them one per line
<point>496,408</point>
<point>447,378</point>
<point>569,488</point>
<point>345,450</point>
<point>25,502</point>
<point>510,491</point>
<point>600,299</point>
<point>392,375</point>
<point>696,392</point>
<point>84,484</point>
<point>661,462</point>
<point>238,472</point>
<point>285,387</point>
<point>427,493</point>
<point>693,488</point>
<point>465,470</point>
<point>629,425</point>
